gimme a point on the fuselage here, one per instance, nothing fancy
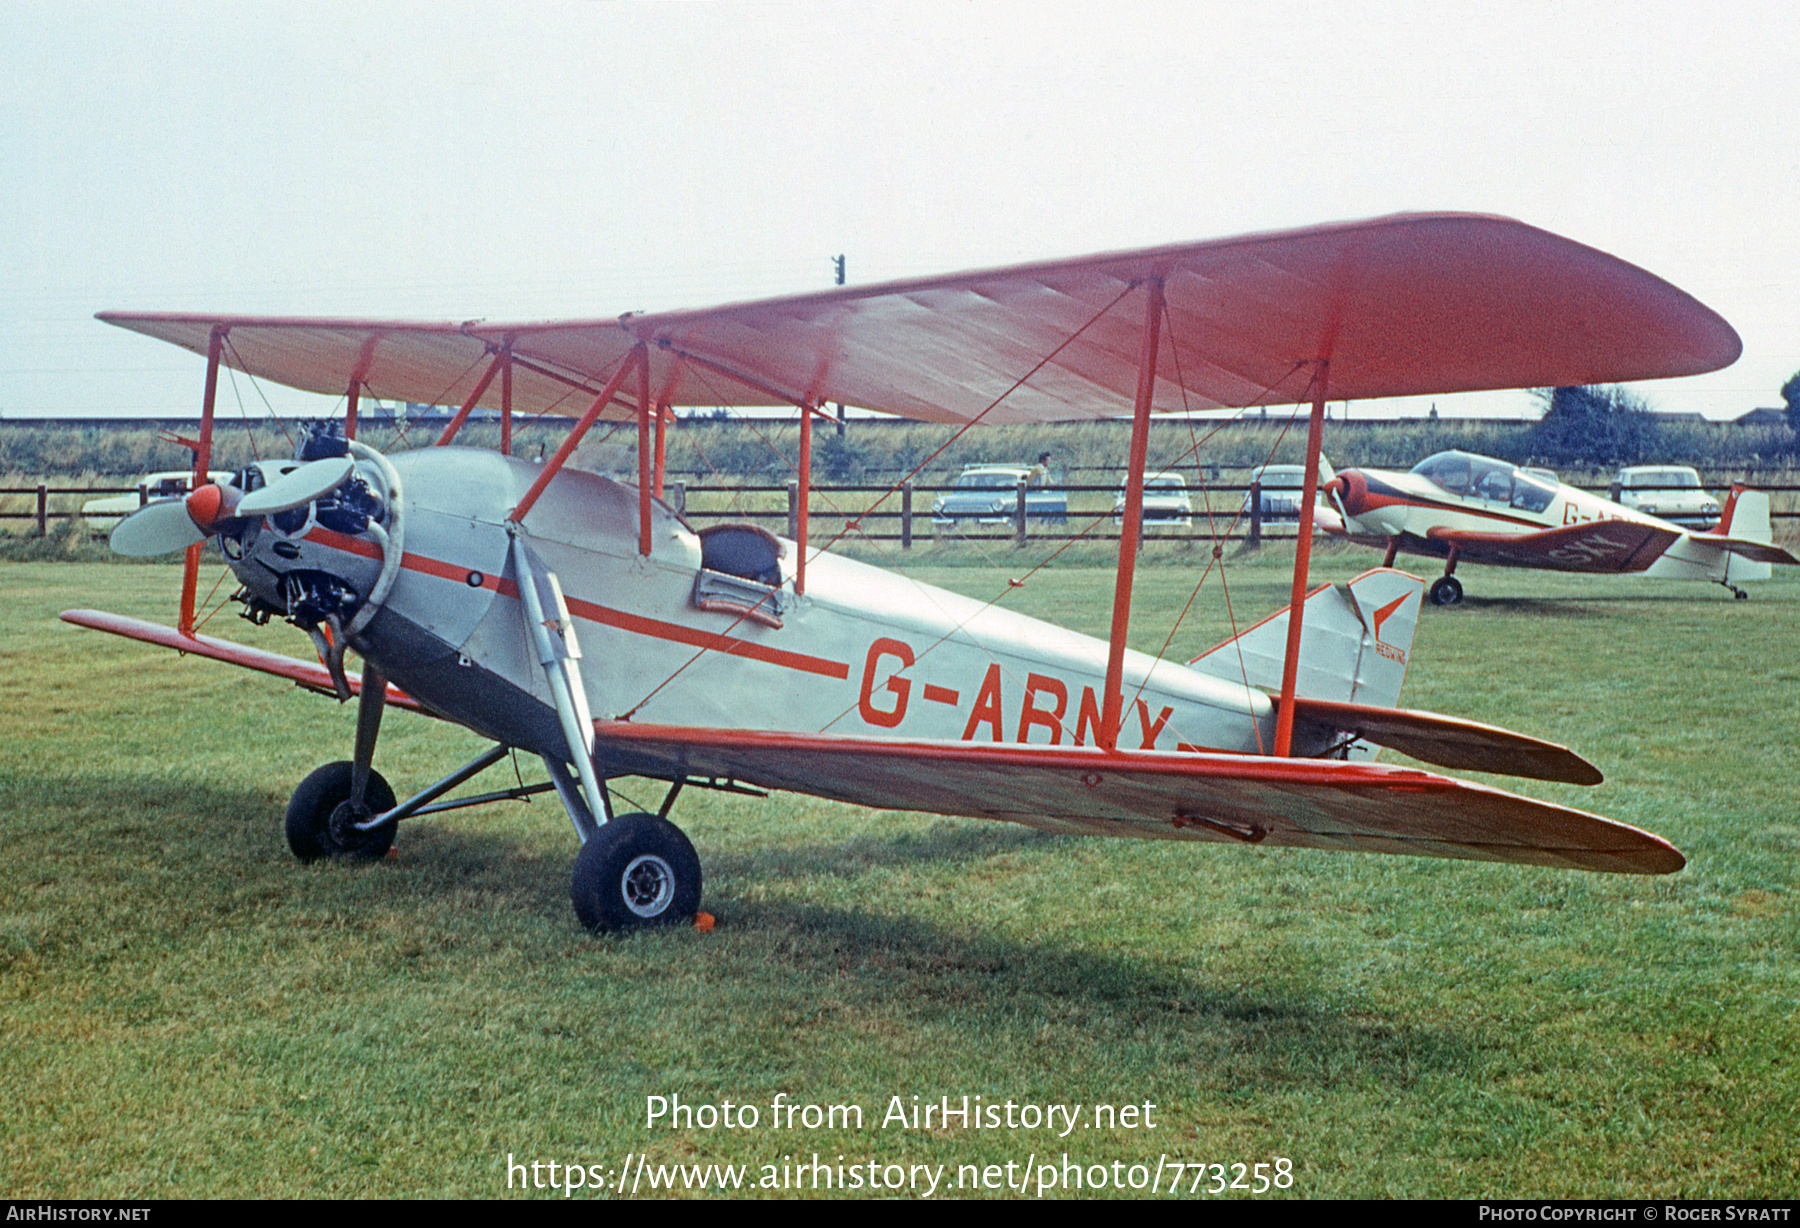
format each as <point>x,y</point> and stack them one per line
<point>1459,492</point>
<point>668,638</point>
<point>1456,505</point>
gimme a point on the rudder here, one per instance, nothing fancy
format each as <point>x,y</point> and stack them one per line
<point>1355,641</point>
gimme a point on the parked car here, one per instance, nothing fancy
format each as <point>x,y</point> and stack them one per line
<point>104,515</point>
<point>1165,502</point>
<point>1668,492</point>
<point>1283,487</point>
<point>989,494</point>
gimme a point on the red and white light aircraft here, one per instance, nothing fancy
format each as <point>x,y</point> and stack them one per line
<point>1465,508</point>
<point>581,620</point>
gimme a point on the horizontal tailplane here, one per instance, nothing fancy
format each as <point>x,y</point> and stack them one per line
<point>1450,742</point>
<point>1355,642</point>
<point>1744,529</point>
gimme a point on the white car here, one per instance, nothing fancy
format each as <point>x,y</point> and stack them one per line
<point>104,515</point>
<point>1668,492</point>
<point>1165,502</point>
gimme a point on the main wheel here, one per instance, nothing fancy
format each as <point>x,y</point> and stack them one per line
<point>638,870</point>
<point>1447,591</point>
<point>321,824</point>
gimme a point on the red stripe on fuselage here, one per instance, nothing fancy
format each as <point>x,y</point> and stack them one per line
<point>636,624</point>
<point>716,641</point>
<point>1381,494</point>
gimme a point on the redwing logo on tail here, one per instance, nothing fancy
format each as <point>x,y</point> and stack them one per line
<point>1385,649</point>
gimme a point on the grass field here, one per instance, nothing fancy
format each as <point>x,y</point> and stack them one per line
<point>187,1012</point>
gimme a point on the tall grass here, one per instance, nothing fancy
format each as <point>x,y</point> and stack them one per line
<point>744,448</point>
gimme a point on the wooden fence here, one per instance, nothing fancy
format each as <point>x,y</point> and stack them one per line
<point>1220,512</point>
<point>904,516</point>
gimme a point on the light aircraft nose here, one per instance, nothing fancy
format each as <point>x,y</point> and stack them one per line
<point>210,504</point>
<point>175,524</point>
<point>1350,491</point>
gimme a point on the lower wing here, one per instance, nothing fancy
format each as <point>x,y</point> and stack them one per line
<point>308,674</point>
<point>1250,799</point>
<point>1595,545</point>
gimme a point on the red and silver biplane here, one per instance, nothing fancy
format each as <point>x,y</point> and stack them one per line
<point>581,620</point>
<point>1465,508</point>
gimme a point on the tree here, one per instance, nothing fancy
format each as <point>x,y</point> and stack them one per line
<point>1599,425</point>
<point>837,459</point>
<point>1790,392</point>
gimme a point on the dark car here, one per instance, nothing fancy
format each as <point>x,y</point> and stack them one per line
<point>989,494</point>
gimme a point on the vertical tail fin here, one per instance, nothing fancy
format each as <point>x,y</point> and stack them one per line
<point>1355,641</point>
<point>1746,516</point>
<point>1740,547</point>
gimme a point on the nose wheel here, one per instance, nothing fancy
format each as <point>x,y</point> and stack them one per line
<point>1447,590</point>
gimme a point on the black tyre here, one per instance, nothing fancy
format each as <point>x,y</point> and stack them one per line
<point>1447,591</point>
<point>637,871</point>
<point>321,824</point>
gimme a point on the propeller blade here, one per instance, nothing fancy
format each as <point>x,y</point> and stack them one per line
<point>156,528</point>
<point>310,481</point>
<point>1342,517</point>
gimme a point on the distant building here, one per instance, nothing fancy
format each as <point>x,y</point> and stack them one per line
<point>1762,417</point>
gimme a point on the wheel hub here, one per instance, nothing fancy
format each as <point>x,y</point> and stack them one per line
<point>344,830</point>
<point>648,885</point>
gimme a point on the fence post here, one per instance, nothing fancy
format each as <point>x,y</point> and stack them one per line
<point>793,510</point>
<point>43,507</point>
<point>1255,515</point>
<point>1019,516</point>
<point>906,489</point>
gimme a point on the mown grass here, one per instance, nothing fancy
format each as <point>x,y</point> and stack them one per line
<point>188,1012</point>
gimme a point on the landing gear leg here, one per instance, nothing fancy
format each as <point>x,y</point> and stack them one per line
<point>333,812</point>
<point>574,800</point>
<point>1448,589</point>
<point>369,707</point>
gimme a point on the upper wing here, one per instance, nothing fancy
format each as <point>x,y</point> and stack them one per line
<point>308,674</point>
<point>1400,305</point>
<point>1305,803</point>
<point>1595,545</point>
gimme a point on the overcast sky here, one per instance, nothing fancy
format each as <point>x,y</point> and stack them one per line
<point>541,160</point>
